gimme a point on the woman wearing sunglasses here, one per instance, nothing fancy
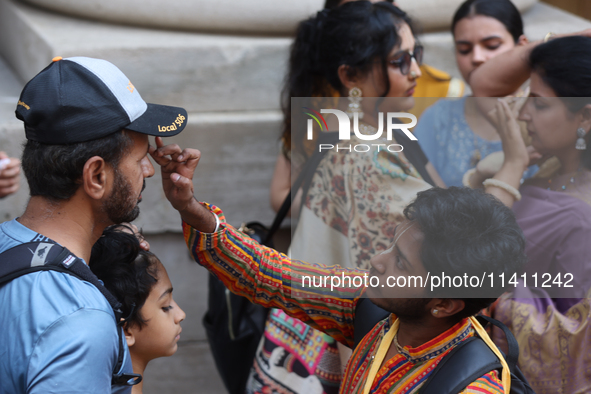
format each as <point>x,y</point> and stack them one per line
<point>363,58</point>
<point>456,134</point>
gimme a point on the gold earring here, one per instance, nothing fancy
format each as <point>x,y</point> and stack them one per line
<point>435,312</point>
<point>354,103</point>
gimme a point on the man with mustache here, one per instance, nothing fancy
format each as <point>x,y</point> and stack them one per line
<point>85,161</point>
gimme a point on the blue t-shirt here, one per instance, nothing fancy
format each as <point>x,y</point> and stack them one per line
<point>57,332</point>
<point>450,143</point>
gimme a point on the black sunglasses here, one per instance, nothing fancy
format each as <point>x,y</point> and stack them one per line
<point>404,59</point>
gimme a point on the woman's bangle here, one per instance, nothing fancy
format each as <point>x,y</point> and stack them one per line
<point>466,178</point>
<point>503,185</point>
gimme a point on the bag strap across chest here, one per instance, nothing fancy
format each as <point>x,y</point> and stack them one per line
<point>32,257</point>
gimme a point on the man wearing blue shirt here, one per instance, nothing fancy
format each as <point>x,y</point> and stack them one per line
<point>85,161</point>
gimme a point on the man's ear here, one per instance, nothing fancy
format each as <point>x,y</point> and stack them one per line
<point>446,307</point>
<point>94,177</point>
<point>129,335</point>
<point>347,78</point>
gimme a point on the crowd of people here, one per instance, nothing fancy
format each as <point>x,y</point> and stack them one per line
<point>498,183</point>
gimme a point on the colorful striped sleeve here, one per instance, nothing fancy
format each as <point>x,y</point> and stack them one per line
<point>264,276</point>
<point>487,384</point>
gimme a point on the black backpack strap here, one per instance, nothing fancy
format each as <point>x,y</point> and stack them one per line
<point>513,354</point>
<point>367,315</point>
<point>465,363</point>
<point>81,270</point>
<point>31,257</point>
<point>302,181</point>
<point>414,154</point>
<point>455,373</point>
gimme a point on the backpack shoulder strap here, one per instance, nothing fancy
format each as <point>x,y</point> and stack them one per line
<point>367,315</point>
<point>42,256</point>
<point>465,363</point>
<point>31,257</point>
<point>414,154</point>
<point>512,355</point>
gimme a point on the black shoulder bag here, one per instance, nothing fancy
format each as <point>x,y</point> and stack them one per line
<point>234,325</point>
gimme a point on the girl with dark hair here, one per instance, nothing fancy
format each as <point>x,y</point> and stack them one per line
<point>456,134</point>
<point>140,282</point>
<point>550,322</point>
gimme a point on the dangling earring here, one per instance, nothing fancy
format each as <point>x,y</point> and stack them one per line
<point>581,145</point>
<point>354,103</point>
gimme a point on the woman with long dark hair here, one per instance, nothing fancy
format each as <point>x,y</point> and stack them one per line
<point>361,58</point>
<point>550,313</point>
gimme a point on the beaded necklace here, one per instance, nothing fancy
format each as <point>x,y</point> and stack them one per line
<point>561,188</point>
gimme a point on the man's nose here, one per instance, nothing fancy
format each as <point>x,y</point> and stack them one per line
<point>147,167</point>
<point>378,263</point>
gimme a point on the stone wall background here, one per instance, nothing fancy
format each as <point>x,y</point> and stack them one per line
<point>581,8</point>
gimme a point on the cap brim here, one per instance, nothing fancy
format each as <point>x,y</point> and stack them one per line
<point>160,120</point>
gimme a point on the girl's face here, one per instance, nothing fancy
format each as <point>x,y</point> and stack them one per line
<point>479,38</point>
<point>373,84</point>
<point>159,336</point>
<point>552,127</point>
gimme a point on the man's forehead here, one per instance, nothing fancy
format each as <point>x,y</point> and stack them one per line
<point>138,138</point>
<point>408,239</point>
<point>408,231</point>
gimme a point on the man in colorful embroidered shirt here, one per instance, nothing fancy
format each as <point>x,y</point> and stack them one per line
<point>456,231</point>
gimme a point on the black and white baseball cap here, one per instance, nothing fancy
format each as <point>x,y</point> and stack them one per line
<point>81,99</point>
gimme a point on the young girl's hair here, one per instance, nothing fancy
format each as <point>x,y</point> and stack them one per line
<point>126,270</point>
<point>502,10</point>
<point>358,34</point>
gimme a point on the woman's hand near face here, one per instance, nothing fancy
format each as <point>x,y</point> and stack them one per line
<point>516,159</point>
<point>516,153</point>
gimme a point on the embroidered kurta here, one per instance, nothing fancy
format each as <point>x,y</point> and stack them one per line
<point>270,278</point>
<point>554,333</point>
